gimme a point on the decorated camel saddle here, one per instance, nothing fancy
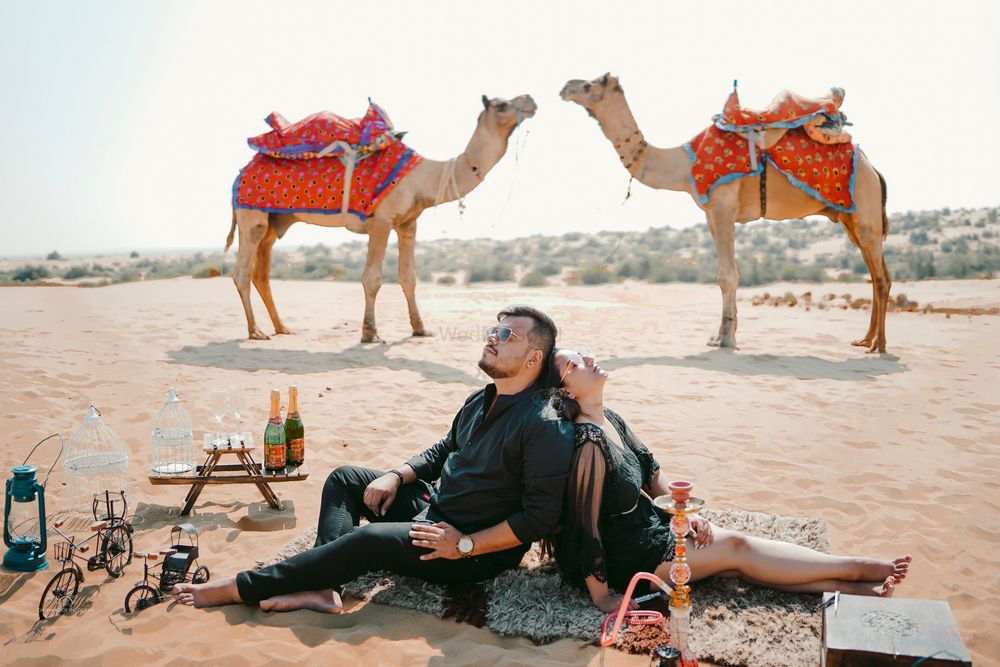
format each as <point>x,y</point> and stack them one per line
<point>802,137</point>
<point>324,164</point>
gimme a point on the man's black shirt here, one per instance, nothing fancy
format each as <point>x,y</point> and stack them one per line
<point>506,457</point>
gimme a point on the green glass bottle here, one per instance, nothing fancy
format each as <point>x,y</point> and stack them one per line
<point>295,432</point>
<point>274,437</point>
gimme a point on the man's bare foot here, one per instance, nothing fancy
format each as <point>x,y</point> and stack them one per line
<point>327,601</point>
<point>212,594</point>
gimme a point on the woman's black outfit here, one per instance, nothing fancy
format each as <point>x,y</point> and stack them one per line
<point>610,528</point>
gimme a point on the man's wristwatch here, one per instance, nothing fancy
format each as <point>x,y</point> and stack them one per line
<point>465,546</point>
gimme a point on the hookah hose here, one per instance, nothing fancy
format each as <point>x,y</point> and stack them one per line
<point>640,617</point>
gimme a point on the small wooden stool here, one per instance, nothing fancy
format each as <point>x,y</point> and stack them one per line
<point>859,631</point>
<point>247,470</point>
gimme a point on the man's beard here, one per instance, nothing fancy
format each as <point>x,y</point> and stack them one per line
<point>496,371</point>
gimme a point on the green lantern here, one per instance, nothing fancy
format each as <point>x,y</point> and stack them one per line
<point>24,521</point>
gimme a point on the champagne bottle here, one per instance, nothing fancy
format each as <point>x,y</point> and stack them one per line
<point>295,432</point>
<point>274,437</point>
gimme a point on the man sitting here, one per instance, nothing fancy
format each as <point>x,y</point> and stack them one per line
<point>500,473</point>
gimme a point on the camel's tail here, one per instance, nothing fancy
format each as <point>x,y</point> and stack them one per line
<point>885,218</point>
<point>232,230</point>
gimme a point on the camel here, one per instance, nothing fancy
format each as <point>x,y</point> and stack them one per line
<point>428,184</point>
<point>741,201</point>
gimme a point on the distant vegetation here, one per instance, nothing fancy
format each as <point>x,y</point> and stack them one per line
<point>921,245</point>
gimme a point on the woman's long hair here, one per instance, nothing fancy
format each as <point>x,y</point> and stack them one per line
<point>559,399</point>
<point>565,407</point>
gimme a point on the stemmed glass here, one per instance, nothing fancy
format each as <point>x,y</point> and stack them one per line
<point>219,405</point>
<point>237,405</point>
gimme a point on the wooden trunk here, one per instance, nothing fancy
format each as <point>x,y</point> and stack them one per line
<point>871,631</point>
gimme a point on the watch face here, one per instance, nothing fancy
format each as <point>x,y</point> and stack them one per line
<point>465,545</point>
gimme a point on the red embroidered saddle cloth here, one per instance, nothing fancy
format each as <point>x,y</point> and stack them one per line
<point>786,110</point>
<point>301,167</point>
<point>823,171</point>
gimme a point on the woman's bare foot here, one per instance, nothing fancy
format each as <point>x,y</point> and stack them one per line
<point>211,594</point>
<point>327,601</point>
<point>901,567</point>
<point>886,588</point>
<point>878,570</point>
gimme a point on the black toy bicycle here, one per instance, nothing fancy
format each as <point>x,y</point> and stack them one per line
<point>177,562</point>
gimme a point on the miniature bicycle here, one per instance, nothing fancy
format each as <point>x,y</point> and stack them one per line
<point>177,562</point>
<point>113,539</point>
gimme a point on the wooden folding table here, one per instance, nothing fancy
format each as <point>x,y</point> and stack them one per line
<point>245,471</point>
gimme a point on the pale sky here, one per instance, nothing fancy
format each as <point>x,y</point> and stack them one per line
<point>125,123</point>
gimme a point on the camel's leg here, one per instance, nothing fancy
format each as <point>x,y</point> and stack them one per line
<point>867,235</point>
<point>378,236</point>
<point>262,278</point>
<point>722,224</point>
<point>253,228</point>
<point>407,234</point>
<point>847,220</point>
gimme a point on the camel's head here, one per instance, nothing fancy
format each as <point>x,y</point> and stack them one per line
<point>589,94</point>
<point>504,115</point>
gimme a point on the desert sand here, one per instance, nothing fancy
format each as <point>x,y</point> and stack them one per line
<point>900,453</point>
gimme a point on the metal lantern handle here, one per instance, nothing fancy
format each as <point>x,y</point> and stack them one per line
<point>62,447</point>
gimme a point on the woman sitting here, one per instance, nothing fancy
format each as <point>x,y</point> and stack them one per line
<point>611,529</point>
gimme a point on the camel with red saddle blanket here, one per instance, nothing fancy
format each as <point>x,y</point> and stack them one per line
<point>790,160</point>
<point>357,174</point>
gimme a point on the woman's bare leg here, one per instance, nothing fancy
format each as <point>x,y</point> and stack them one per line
<point>883,589</point>
<point>776,563</point>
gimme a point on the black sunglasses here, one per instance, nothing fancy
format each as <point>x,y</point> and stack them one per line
<point>502,334</point>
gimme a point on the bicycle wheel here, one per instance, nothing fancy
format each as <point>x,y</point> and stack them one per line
<point>200,575</point>
<point>116,549</point>
<point>58,594</point>
<point>141,597</point>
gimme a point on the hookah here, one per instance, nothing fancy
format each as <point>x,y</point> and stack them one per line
<point>680,504</point>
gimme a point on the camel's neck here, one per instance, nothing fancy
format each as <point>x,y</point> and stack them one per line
<point>660,168</point>
<point>484,150</point>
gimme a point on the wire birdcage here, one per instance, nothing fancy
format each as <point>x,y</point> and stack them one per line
<point>96,461</point>
<point>172,439</point>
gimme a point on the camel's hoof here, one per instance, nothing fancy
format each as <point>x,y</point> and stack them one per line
<point>863,342</point>
<point>722,341</point>
<point>279,331</point>
<point>257,334</point>
<point>423,333</point>
<point>370,338</point>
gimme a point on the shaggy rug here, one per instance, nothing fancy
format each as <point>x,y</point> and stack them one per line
<point>733,623</point>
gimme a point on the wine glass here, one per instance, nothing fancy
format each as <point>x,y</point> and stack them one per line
<point>219,405</point>
<point>237,405</point>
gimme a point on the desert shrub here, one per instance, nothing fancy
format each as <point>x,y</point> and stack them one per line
<point>595,274</point>
<point>54,255</point>
<point>30,273</point>
<point>532,279</point>
<point>490,271</point>
<point>79,271</point>
<point>207,271</point>
<point>446,280</point>
<point>548,269</point>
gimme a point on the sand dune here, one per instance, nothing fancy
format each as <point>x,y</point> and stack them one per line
<point>900,453</point>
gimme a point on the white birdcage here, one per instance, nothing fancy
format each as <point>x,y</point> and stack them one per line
<point>96,461</point>
<point>172,438</point>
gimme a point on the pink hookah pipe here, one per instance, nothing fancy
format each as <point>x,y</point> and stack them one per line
<point>640,617</point>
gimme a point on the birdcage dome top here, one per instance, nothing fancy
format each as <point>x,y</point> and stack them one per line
<point>94,437</point>
<point>172,420</point>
